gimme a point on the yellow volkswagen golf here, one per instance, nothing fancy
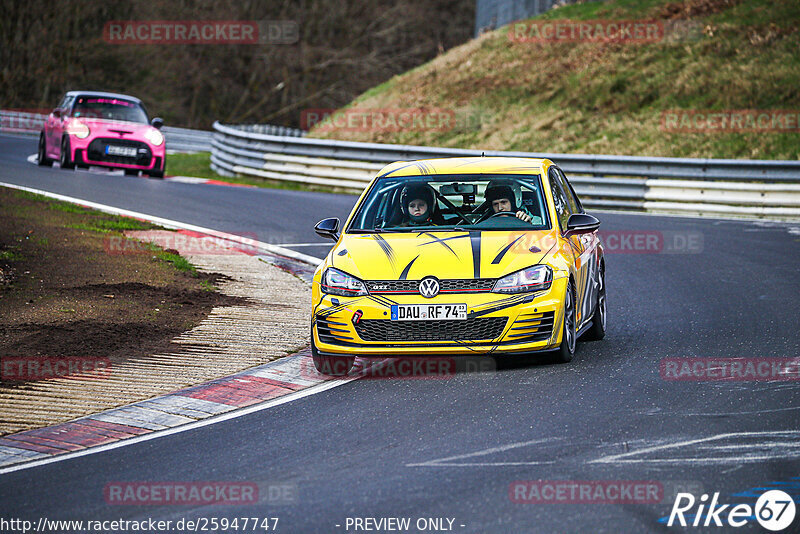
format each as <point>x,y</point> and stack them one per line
<point>457,256</point>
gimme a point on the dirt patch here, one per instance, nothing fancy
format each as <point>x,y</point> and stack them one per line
<point>696,8</point>
<point>62,294</point>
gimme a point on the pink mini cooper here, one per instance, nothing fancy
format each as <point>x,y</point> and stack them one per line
<point>103,129</point>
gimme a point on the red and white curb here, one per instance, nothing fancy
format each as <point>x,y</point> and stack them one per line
<point>255,389</point>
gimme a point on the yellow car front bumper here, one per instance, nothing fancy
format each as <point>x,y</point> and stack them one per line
<point>496,323</point>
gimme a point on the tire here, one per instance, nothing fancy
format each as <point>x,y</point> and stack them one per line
<point>64,159</point>
<point>598,329</point>
<point>330,365</point>
<point>79,163</point>
<point>42,158</point>
<point>160,173</point>
<point>568,334</point>
<point>131,172</point>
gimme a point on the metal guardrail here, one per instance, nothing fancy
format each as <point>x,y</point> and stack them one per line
<point>721,187</point>
<point>178,139</point>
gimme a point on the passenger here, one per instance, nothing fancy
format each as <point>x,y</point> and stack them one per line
<point>502,198</point>
<point>419,206</point>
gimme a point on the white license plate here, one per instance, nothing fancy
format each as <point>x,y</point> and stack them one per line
<point>428,312</point>
<point>113,150</point>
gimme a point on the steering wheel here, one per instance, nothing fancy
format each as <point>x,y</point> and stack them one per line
<point>502,213</point>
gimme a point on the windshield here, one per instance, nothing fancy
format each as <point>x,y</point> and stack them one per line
<point>109,108</point>
<point>456,202</point>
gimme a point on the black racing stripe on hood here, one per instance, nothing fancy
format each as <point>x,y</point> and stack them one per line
<point>475,241</point>
<point>502,252</point>
<point>546,252</point>
<point>404,274</point>
<point>397,169</point>
<point>386,247</point>
<point>380,299</point>
<point>442,241</point>
<point>333,309</point>
<point>504,305</point>
<point>423,168</point>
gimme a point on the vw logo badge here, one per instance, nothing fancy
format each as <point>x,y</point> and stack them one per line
<point>429,287</point>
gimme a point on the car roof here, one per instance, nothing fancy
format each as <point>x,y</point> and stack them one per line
<point>103,94</point>
<point>471,165</point>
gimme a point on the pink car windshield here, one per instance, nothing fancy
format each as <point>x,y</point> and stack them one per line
<point>109,108</point>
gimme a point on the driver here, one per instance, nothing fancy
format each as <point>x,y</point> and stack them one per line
<point>502,198</point>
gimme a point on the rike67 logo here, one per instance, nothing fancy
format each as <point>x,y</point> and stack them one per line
<point>774,510</point>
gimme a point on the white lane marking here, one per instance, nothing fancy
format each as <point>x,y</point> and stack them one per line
<point>756,412</point>
<point>440,462</point>
<point>187,179</point>
<point>168,223</point>
<point>324,386</point>
<point>744,451</point>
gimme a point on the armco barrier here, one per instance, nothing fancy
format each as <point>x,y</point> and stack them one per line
<point>715,187</point>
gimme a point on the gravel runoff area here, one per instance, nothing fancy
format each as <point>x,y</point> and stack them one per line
<point>272,323</point>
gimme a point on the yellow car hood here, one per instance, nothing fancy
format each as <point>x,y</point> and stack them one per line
<point>462,254</point>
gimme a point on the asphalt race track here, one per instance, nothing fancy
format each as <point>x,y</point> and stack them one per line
<point>452,447</point>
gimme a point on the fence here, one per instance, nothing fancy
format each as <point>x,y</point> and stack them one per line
<point>721,187</point>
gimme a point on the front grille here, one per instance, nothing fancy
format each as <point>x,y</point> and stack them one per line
<point>479,328</point>
<point>468,285</point>
<point>97,151</point>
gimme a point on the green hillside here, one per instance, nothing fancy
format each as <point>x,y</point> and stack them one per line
<point>609,97</point>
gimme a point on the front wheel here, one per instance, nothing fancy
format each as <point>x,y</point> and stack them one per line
<point>65,161</point>
<point>598,329</point>
<point>330,365</point>
<point>568,335</point>
<point>42,158</point>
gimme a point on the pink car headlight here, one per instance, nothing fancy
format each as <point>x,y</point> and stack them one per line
<point>78,129</point>
<point>154,136</point>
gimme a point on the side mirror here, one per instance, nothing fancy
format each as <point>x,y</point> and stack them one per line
<point>157,122</point>
<point>581,223</point>
<point>57,113</point>
<point>328,228</point>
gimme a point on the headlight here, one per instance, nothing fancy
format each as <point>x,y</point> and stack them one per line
<point>535,278</point>
<point>78,129</point>
<point>339,283</point>
<point>154,136</point>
